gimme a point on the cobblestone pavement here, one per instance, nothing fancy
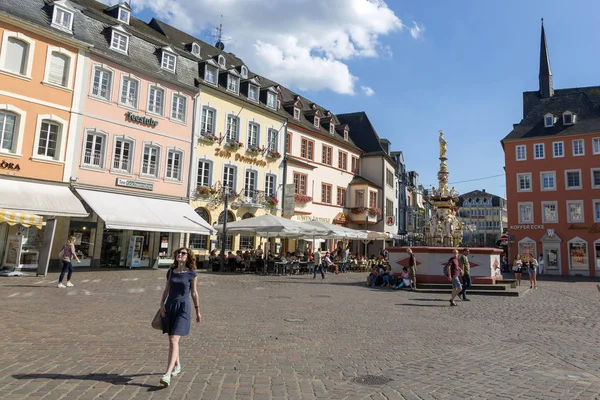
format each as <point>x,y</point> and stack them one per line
<point>273,337</point>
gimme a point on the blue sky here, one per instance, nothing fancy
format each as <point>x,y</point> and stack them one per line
<point>465,75</point>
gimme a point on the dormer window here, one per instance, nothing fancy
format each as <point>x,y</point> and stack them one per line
<point>169,60</point>
<point>196,49</point>
<point>210,74</point>
<point>253,92</point>
<point>568,118</point>
<point>331,128</point>
<point>317,122</point>
<point>233,83</point>
<point>272,100</point>
<point>222,61</point>
<point>119,40</point>
<point>346,134</point>
<point>62,17</point>
<point>549,120</point>
<point>124,15</point>
<point>296,113</point>
<point>244,72</point>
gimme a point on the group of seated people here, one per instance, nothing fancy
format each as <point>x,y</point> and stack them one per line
<point>384,277</point>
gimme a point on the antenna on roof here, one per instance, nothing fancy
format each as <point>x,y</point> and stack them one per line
<point>218,35</point>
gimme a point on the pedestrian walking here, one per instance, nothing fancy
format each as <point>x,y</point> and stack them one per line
<point>66,255</point>
<point>412,269</point>
<point>516,267</point>
<point>175,310</point>
<point>318,264</point>
<point>541,265</point>
<point>533,266</point>
<point>465,266</point>
<point>454,272</point>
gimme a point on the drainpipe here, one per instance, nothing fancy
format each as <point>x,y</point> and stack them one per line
<point>195,116</point>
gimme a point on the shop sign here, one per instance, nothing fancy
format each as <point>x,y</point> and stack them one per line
<point>238,157</point>
<point>141,120</point>
<point>308,218</point>
<point>135,184</point>
<point>529,227</point>
<point>389,221</point>
<point>591,229</point>
<point>9,166</point>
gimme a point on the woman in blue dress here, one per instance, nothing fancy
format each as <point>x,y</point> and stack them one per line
<point>175,307</point>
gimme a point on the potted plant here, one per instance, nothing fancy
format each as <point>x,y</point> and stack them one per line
<point>273,154</point>
<point>205,191</point>
<point>357,210</point>
<point>254,149</point>
<point>271,201</point>
<point>207,136</point>
<point>233,144</point>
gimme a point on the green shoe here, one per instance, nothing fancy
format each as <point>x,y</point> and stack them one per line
<point>165,380</point>
<point>176,370</point>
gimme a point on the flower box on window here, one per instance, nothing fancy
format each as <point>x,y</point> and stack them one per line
<point>273,154</point>
<point>208,137</point>
<point>205,191</point>
<point>254,149</point>
<point>271,201</point>
<point>357,210</point>
<point>375,211</point>
<point>301,198</point>
<point>233,144</point>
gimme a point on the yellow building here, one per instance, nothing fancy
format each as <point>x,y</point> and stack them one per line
<point>238,141</point>
<point>484,218</point>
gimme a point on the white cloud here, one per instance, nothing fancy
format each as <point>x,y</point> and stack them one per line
<point>367,91</point>
<point>302,44</point>
<point>417,30</point>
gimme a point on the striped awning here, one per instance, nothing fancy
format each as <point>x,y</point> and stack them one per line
<point>18,218</point>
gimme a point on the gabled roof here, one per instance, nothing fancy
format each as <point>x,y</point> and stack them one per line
<point>359,180</point>
<point>480,194</point>
<point>578,102</point>
<point>364,134</point>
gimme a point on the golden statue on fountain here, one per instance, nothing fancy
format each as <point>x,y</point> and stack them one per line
<point>444,228</point>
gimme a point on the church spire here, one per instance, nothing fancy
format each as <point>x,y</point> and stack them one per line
<point>545,76</point>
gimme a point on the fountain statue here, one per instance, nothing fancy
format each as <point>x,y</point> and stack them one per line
<point>444,228</point>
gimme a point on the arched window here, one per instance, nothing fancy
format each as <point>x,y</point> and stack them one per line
<point>200,242</point>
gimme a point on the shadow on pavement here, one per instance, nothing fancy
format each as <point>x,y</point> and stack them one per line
<point>424,305</point>
<point>115,379</point>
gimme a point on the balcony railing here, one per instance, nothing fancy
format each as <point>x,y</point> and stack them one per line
<point>93,159</point>
<point>121,163</point>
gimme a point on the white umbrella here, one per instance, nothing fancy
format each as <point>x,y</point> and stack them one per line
<point>336,231</point>
<point>270,225</point>
<point>372,235</point>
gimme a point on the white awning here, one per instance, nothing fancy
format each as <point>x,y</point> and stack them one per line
<point>120,211</point>
<point>39,199</point>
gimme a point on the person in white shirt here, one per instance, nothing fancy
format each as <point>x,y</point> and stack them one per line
<point>541,264</point>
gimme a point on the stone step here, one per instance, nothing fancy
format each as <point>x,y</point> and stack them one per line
<point>507,293</point>
<point>476,286</point>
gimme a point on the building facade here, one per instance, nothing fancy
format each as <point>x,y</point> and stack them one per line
<point>401,194</point>
<point>39,57</point>
<point>552,167</point>
<point>484,217</point>
<point>417,211</point>
<point>133,142</point>
<point>377,171</point>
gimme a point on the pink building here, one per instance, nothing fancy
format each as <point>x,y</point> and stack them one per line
<point>133,144</point>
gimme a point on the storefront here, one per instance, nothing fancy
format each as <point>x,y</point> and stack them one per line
<point>132,231</point>
<point>30,213</point>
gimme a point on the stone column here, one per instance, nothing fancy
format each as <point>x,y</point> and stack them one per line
<point>44,258</point>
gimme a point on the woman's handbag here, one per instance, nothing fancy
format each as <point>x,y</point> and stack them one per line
<point>157,321</point>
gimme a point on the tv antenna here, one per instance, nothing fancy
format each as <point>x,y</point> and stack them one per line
<point>217,33</point>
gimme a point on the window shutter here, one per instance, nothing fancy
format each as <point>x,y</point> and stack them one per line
<point>16,59</point>
<point>59,65</point>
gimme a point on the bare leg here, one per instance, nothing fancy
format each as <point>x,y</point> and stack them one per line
<point>173,353</point>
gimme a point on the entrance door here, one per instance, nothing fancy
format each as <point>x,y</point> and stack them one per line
<point>552,260</point>
<point>110,254</point>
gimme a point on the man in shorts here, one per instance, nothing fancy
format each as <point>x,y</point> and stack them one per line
<point>454,276</point>
<point>412,269</point>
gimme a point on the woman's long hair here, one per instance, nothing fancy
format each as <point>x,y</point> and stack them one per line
<point>190,261</point>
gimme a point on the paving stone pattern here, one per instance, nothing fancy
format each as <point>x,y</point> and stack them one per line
<point>273,337</point>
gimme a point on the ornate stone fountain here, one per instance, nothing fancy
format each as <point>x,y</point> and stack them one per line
<point>444,228</point>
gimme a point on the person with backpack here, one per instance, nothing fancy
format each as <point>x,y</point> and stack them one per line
<point>66,254</point>
<point>465,266</point>
<point>453,271</point>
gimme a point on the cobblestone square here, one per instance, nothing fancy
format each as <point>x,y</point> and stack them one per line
<point>274,337</point>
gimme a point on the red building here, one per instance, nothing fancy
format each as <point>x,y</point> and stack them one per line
<point>552,163</point>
